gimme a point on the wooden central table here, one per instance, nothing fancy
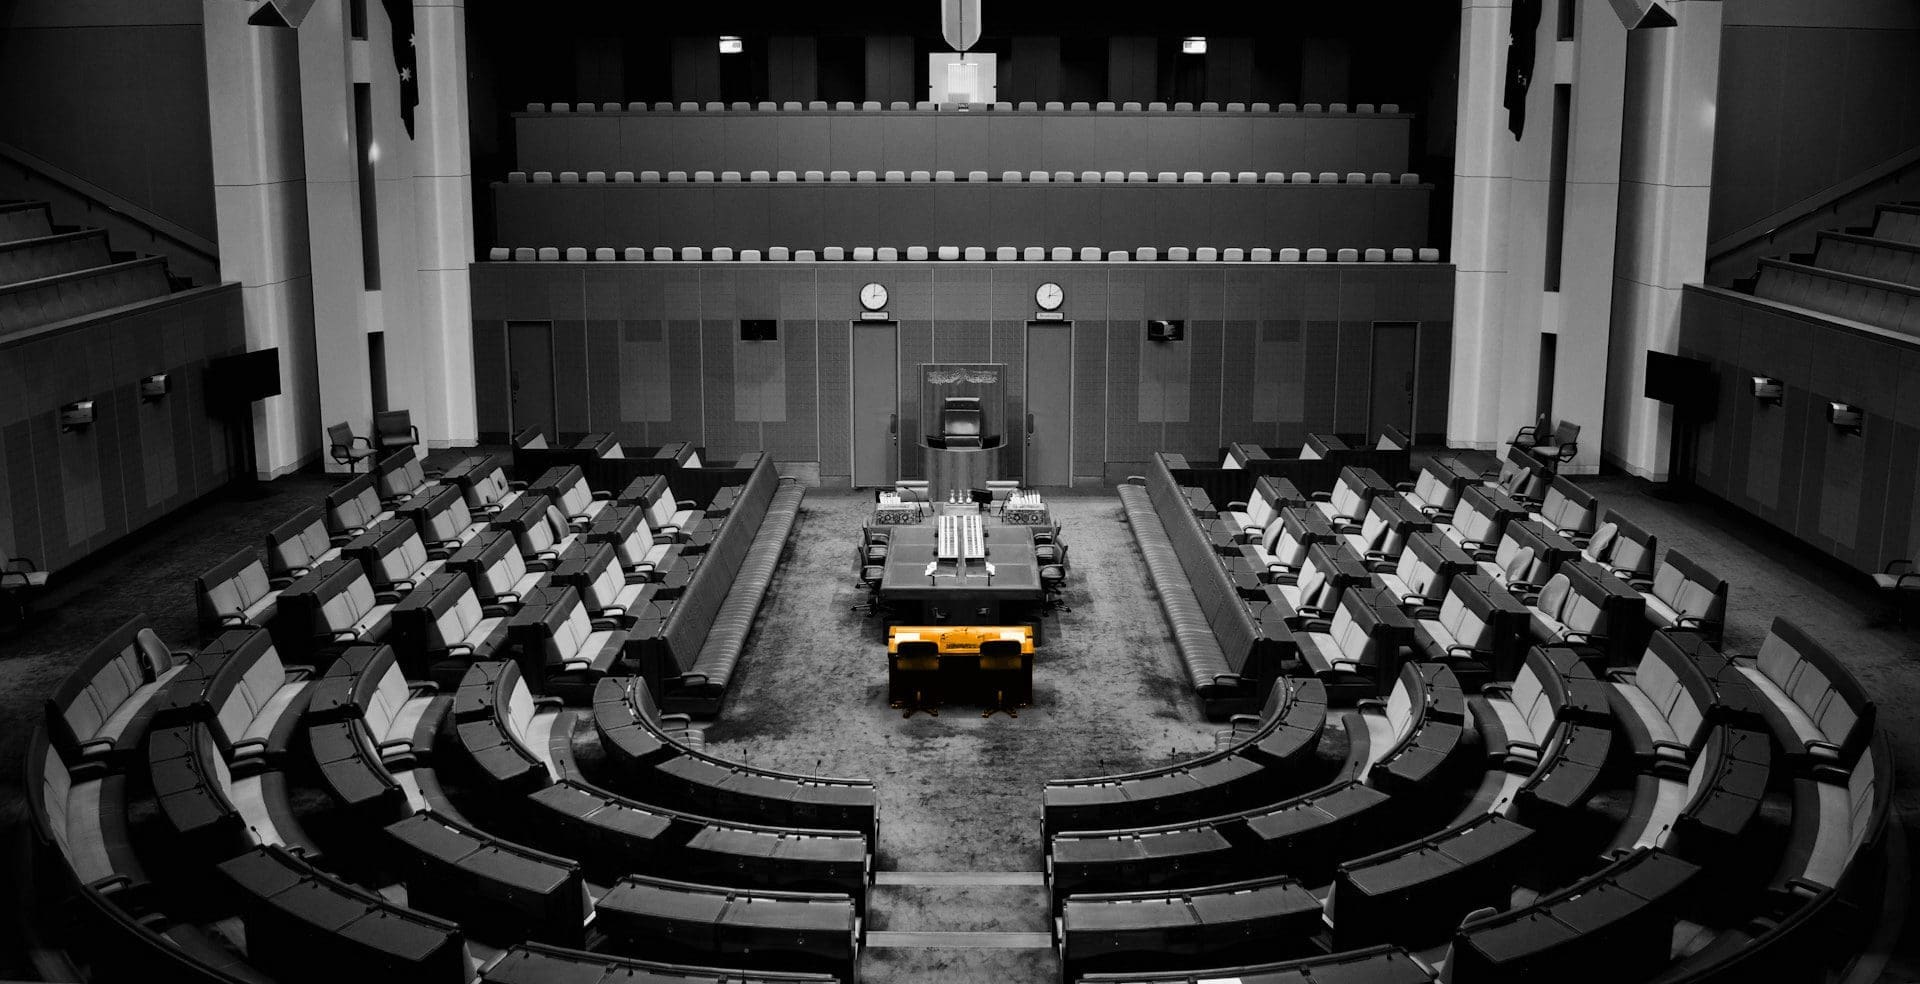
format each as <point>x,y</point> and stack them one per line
<point>964,595</point>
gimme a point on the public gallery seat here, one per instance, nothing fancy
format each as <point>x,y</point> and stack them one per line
<point>98,714</point>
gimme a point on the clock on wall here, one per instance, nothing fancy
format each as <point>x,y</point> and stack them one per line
<point>1048,296</point>
<point>873,296</point>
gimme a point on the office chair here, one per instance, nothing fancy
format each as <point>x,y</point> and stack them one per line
<point>1552,450</point>
<point>1011,674</point>
<point>874,545</point>
<point>1047,548</point>
<point>348,449</point>
<point>870,578</point>
<point>1053,584</point>
<point>394,429</point>
<point>913,673</point>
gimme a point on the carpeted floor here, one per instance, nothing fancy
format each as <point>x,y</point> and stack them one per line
<point>959,792</point>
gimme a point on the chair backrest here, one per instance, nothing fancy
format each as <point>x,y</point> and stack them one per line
<point>295,545</point>
<point>1689,589</point>
<point>393,423</point>
<point>340,436</point>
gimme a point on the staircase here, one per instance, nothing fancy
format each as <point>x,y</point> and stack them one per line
<point>51,273</point>
<point>1868,274</point>
<point>926,925</point>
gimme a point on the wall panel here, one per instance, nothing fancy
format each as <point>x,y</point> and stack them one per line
<point>69,493</point>
<point>1263,361</point>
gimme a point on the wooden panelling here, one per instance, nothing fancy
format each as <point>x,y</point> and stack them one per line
<point>67,494</point>
<point>1263,359</point>
<point>1850,496</point>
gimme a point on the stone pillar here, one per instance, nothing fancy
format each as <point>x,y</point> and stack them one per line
<point>1482,173</point>
<point>260,206</point>
<point>1666,174</point>
<point>333,220</point>
<point>443,211</point>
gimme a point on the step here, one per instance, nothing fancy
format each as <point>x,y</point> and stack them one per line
<point>962,908</point>
<point>885,940</point>
<point>961,878</point>
<point>920,965</point>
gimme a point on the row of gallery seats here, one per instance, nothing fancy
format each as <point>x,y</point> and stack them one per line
<point>1871,276</point>
<point>386,786</point>
<point>576,581</point>
<point>995,141</point>
<point>1522,539</point>
<point>896,176</point>
<point>871,106</point>
<point>974,254</point>
<point>49,275</point>
<point>1483,748</point>
<point>1112,216</point>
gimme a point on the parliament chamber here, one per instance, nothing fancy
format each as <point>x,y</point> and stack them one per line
<point>959,492</point>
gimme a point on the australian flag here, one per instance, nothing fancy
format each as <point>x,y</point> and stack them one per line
<point>400,15</point>
<point>1520,57</point>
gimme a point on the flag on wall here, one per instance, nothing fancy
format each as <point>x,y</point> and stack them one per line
<point>400,15</point>
<point>1526,23</point>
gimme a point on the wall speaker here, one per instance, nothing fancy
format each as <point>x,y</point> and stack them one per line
<point>1637,14</point>
<point>759,330</point>
<point>154,387</point>
<point>1768,390</point>
<point>1845,417</point>
<point>281,13</point>
<point>1166,331</point>
<point>79,413</point>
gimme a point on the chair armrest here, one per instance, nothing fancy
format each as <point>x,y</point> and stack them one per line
<point>1503,690</point>
<point>1321,497</point>
<point>391,597</point>
<point>545,702</point>
<point>608,624</point>
<point>676,720</point>
<point>1314,624</point>
<point>344,636</point>
<point>1466,650</point>
<point>1236,506</point>
<point>1403,486</point>
<point>231,619</point>
<point>1694,622</point>
<point>1624,674</point>
<point>1226,679</point>
<point>1370,703</point>
<point>1568,450</point>
<point>1420,611</point>
<point>1662,748</point>
<point>104,744</point>
<point>1135,480</point>
<point>693,679</point>
<point>457,649</point>
<point>423,688</point>
<point>438,551</point>
<point>1889,569</point>
<point>495,611</point>
<point>687,504</point>
<point>1523,587</point>
<point>394,743</point>
<point>1243,719</point>
<point>281,583</point>
<point>603,496</point>
<point>249,746</point>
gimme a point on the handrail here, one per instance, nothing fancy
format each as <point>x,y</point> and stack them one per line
<point>146,218</point>
<point>1812,206</point>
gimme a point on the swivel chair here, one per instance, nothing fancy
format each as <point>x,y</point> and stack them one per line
<point>1053,584</point>
<point>347,449</point>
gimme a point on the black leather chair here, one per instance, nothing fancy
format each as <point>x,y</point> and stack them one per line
<point>348,449</point>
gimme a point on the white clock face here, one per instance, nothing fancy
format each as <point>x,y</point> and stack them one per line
<point>1049,296</point>
<point>873,296</point>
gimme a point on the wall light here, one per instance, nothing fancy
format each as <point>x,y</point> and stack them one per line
<point>1193,46</point>
<point>154,387</point>
<point>1768,390</point>
<point>1845,417</point>
<point>79,413</point>
<point>731,45</point>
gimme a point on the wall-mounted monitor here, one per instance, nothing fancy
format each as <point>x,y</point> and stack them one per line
<point>1166,331</point>
<point>1678,380</point>
<point>243,378</point>
<point>759,330</point>
<point>1845,417</point>
<point>1768,390</point>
